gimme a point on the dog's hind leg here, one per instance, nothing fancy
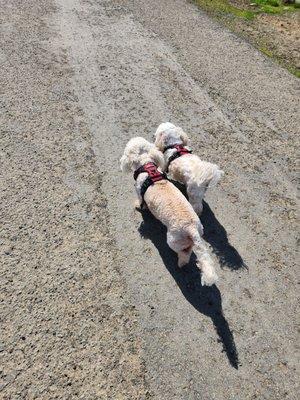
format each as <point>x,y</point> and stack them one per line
<point>208,176</point>
<point>182,246</point>
<point>184,256</point>
<point>196,195</point>
<point>138,205</point>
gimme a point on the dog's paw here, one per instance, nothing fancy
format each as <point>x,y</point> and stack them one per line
<point>198,208</point>
<point>182,263</point>
<point>137,205</point>
<point>209,279</point>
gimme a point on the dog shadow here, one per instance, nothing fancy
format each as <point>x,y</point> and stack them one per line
<point>216,235</point>
<point>206,300</point>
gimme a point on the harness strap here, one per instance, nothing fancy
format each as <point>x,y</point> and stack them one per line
<point>153,176</point>
<point>180,151</point>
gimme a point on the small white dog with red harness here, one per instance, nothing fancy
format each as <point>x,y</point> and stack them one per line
<point>167,204</point>
<point>184,167</point>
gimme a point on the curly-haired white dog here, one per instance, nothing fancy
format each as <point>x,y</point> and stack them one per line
<point>196,174</point>
<point>168,204</point>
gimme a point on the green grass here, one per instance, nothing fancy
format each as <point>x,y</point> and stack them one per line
<point>294,71</point>
<point>274,6</point>
<point>269,53</point>
<point>266,51</point>
<point>262,6</point>
<point>222,6</point>
<point>229,14</point>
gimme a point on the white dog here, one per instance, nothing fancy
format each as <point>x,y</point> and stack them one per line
<point>196,174</point>
<point>168,204</point>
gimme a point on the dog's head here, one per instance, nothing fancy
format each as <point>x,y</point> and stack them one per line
<point>139,151</point>
<point>168,134</point>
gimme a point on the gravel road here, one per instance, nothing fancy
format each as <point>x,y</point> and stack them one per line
<point>92,304</point>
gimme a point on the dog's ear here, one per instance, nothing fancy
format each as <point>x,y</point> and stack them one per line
<point>125,163</point>
<point>157,157</point>
<point>183,136</point>
<point>159,140</point>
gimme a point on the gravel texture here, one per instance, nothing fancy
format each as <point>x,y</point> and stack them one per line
<point>92,304</point>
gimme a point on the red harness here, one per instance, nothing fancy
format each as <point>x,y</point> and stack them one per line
<point>153,176</point>
<point>180,151</point>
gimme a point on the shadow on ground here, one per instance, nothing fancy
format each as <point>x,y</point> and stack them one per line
<point>216,235</point>
<point>206,300</point>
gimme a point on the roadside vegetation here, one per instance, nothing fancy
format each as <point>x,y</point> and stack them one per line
<point>273,26</point>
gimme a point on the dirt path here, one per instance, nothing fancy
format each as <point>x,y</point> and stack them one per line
<point>92,305</point>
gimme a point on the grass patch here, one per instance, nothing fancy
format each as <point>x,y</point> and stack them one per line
<point>223,6</point>
<point>269,53</point>
<point>266,51</point>
<point>274,6</point>
<point>294,71</point>
<point>262,6</point>
<point>243,19</point>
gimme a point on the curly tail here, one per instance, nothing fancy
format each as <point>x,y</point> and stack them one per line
<point>218,173</point>
<point>209,276</point>
<point>208,175</point>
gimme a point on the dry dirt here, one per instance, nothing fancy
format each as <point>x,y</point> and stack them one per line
<point>277,35</point>
<point>92,303</point>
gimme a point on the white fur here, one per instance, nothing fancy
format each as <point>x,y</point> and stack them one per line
<point>168,204</point>
<point>196,174</point>
<point>139,151</point>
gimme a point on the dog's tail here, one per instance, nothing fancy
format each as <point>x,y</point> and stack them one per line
<point>208,174</point>
<point>209,276</point>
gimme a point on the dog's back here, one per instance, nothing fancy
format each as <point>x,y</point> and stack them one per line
<point>169,205</point>
<point>191,169</point>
